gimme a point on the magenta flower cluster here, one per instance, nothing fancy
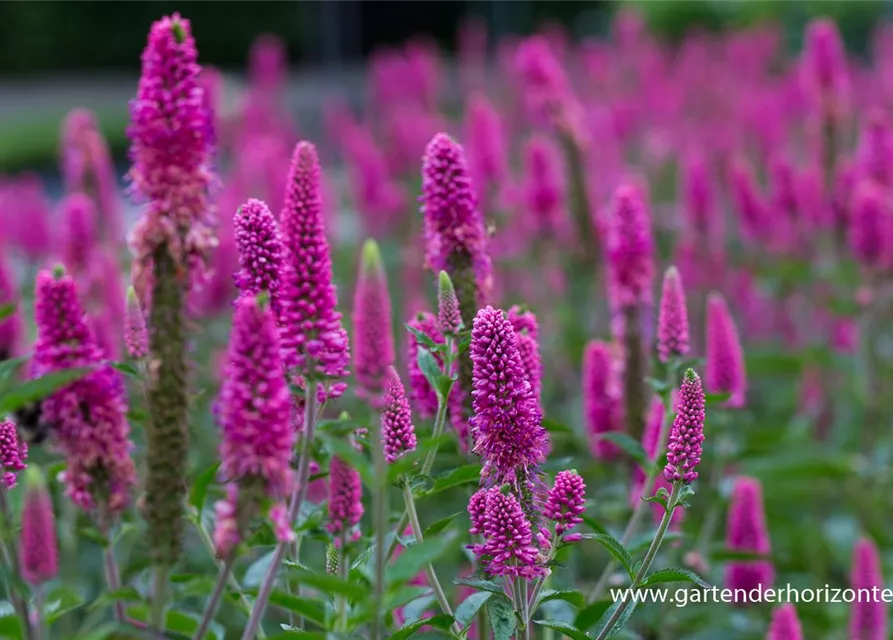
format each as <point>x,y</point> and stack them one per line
<point>747,532</point>
<point>725,357</point>
<point>508,548</point>
<point>566,501</point>
<point>345,498</point>
<point>38,548</point>
<point>13,453</point>
<point>507,423</point>
<point>260,252</point>
<point>672,321</point>
<point>397,431</point>
<point>687,432</point>
<point>314,341</point>
<point>630,249</point>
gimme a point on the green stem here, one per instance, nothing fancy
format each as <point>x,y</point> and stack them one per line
<point>253,627</point>
<point>653,471</point>
<point>40,623</point>
<point>380,519</point>
<point>211,607</point>
<point>11,559</point>
<point>439,422</point>
<point>294,553</point>
<point>646,563</point>
<point>525,608</point>
<point>429,568</point>
<point>208,543</point>
<point>159,595</point>
<point>112,574</point>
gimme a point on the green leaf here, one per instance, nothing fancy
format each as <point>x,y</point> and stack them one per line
<point>442,621</point>
<point>674,574</point>
<point>39,388</point>
<point>620,622</point>
<point>641,542</point>
<point>567,629</point>
<point>59,602</point>
<point>632,447</point>
<point>200,487</point>
<point>416,558</point>
<point>8,368</point>
<point>440,525</point>
<point>7,310</point>
<point>421,337</point>
<point>10,627</point>
<point>332,585</point>
<point>462,475</point>
<point>126,368</point>
<point>429,367</point>
<point>124,594</point>
<point>444,385</point>
<point>468,608</point>
<point>402,596</point>
<point>572,596</point>
<point>721,554</point>
<point>137,416</point>
<point>481,585</point>
<point>556,427</point>
<point>502,617</point>
<point>298,633</point>
<point>594,524</point>
<point>716,398</point>
<point>616,549</point>
<point>257,570</point>
<point>174,621</point>
<point>587,618</point>
<point>363,558</point>
<point>312,609</point>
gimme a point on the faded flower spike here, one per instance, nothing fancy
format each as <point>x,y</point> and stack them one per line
<point>373,339</point>
<point>397,432</point>
<point>785,624</point>
<point>868,617</point>
<point>672,321</point>
<point>746,531</point>
<point>38,548</point>
<point>687,432</point>
<point>725,358</point>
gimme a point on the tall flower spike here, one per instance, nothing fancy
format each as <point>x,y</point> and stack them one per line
<point>38,548</point>
<point>746,531</point>
<point>545,189</point>
<point>314,341</point>
<point>13,453</point>
<point>260,252</point>
<point>672,321</point>
<point>825,65</point>
<point>566,501</point>
<point>345,497</point>
<point>871,232</point>
<point>526,332</point>
<point>631,249</point>
<point>78,214</point>
<point>455,237</point>
<point>601,398</point>
<point>486,143</point>
<point>868,617</point>
<point>509,539</point>
<point>89,414</point>
<point>477,511</point>
<point>254,414</point>
<point>725,359</point>
<point>687,432</point>
<point>373,351</point>
<point>785,624</point>
<point>135,336</point>
<point>449,319</point>
<point>397,430</point>
<point>507,424</point>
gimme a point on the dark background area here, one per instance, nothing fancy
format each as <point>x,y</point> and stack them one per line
<point>54,36</point>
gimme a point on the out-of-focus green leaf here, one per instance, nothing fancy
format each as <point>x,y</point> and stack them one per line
<point>462,475</point>
<point>288,634</point>
<point>39,388</point>
<point>174,621</point>
<point>8,368</point>
<point>716,398</point>
<point>481,585</point>
<point>200,487</point>
<point>567,629</point>
<point>10,627</point>
<point>556,427</point>
<point>442,621</point>
<point>7,310</point>
<point>629,444</point>
<point>421,337</point>
<point>417,557</point>
<point>124,594</point>
<point>502,617</point>
<point>127,369</point>
<point>440,525</point>
<point>328,584</point>
<point>674,574</point>
<point>257,570</point>
<point>620,622</point>
<point>589,616</point>
<point>468,608</point>
<point>429,367</point>
<point>310,608</point>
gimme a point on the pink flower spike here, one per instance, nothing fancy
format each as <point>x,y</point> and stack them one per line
<point>630,249</point>
<point>785,624</point>
<point>871,231</point>
<point>397,431</point>
<point>78,219</point>
<point>38,548</point>
<point>260,252</point>
<point>746,531</point>
<point>725,358</point>
<point>509,539</point>
<point>672,321</point>
<point>601,398</point>
<point>345,498</point>
<point>13,453</point>
<point>449,319</point>
<point>485,141</point>
<point>526,331</point>
<point>868,618</point>
<point>687,432</point>
<point>135,335</point>
<point>373,351</point>
<point>566,501</point>
<point>424,396</point>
